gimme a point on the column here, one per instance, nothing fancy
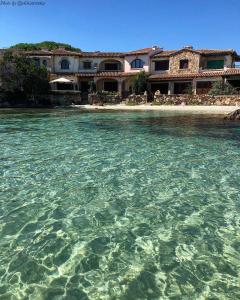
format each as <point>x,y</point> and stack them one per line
<point>170,88</point>
<point>194,86</point>
<point>120,87</point>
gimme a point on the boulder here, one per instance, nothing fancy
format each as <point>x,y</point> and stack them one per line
<point>235,115</point>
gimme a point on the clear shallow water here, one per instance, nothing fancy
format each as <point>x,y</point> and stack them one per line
<point>138,205</point>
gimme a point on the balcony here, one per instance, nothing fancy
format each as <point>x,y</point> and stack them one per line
<point>110,66</point>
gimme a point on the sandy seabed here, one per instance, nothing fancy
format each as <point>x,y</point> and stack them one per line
<point>213,109</point>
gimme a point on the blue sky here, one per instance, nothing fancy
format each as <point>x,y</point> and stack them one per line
<point>119,25</point>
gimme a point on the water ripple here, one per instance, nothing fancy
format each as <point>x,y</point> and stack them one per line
<point>118,206</point>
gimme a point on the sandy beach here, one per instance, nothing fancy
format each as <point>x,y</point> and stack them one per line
<point>213,109</point>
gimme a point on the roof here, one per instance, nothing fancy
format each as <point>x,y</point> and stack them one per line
<point>140,51</point>
<point>167,53</point>
<point>106,74</point>
<point>204,74</point>
<point>102,54</point>
<point>64,52</point>
<point>157,53</point>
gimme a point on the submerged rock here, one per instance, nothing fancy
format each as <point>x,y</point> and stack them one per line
<point>235,115</point>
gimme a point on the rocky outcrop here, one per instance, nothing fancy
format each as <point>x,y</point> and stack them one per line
<point>235,115</point>
<point>196,99</point>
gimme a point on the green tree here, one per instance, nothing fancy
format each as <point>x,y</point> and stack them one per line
<point>220,88</point>
<point>140,83</point>
<point>20,75</point>
<point>44,45</point>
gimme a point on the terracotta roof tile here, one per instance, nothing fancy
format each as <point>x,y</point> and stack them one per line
<point>139,51</point>
<point>196,75</point>
<point>63,52</point>
<point>163,53</point>
<point>106,74</point>
<point>102,54</point>
<point>166,53</point>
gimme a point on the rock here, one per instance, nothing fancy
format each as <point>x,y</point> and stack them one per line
<point>235,115</point>
<point>157,93</point>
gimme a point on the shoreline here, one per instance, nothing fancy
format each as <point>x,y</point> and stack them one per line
<point>213,109</point>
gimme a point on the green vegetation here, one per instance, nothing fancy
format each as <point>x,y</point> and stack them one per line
<point>220,88</point>
<point>140,83</point>
<point>44,45</point>
<point>92,87</point>
<point>21,78</point>
<point>189,90</point>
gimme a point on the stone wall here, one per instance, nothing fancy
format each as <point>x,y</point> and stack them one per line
<point>64,97</point>
<point>57,98</point>
<point>104,97</point>
<point>136,99</point>
<point>196,100</point>
<point>193,64</point>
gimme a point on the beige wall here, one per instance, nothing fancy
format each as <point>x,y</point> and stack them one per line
<point>227,60</point>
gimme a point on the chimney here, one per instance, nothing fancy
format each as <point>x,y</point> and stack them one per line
<point>154,48</point>
<point>188,47</point>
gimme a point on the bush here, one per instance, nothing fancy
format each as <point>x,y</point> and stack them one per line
<point>20,76</point>
<point>220,88</point>
<point>46,44</point>
<point>140,83</point>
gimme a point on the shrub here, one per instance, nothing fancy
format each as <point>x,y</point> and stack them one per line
<point>140,83</point>
<point>220,88</point>
<point>46,44</point>
<point>20,75</point>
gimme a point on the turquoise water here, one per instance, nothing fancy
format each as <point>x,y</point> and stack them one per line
<point>124,205</point>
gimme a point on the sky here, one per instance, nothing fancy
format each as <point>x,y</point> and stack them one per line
<point>122,25</point>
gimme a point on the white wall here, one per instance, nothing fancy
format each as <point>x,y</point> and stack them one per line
<point>74,64</point>
<point>97,61</point>
<point>129,58</point>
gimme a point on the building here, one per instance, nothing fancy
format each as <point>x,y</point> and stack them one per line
<point>178,71</point>
<point>110,71</point>
<point>170,71</point>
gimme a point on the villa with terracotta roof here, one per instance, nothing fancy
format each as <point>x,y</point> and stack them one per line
<point>170,71</point>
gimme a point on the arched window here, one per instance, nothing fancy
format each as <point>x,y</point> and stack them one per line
<point>65,64</point>
<point>137,63</point>
<point>44,62</point>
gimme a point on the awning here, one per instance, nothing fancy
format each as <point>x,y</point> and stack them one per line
<point>61,80</point>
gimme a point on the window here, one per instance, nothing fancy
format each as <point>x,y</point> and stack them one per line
<point>37,62</point>
<point>215,64</point>
<point>137,64</point>
<point>111,86</point>
<point>44,62</point>
<point>65,64</point>
<point>182,87</point>
<point>87,65</point>
<point>183,64</point>
<point>162,65</point>
<point>111,66</point>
